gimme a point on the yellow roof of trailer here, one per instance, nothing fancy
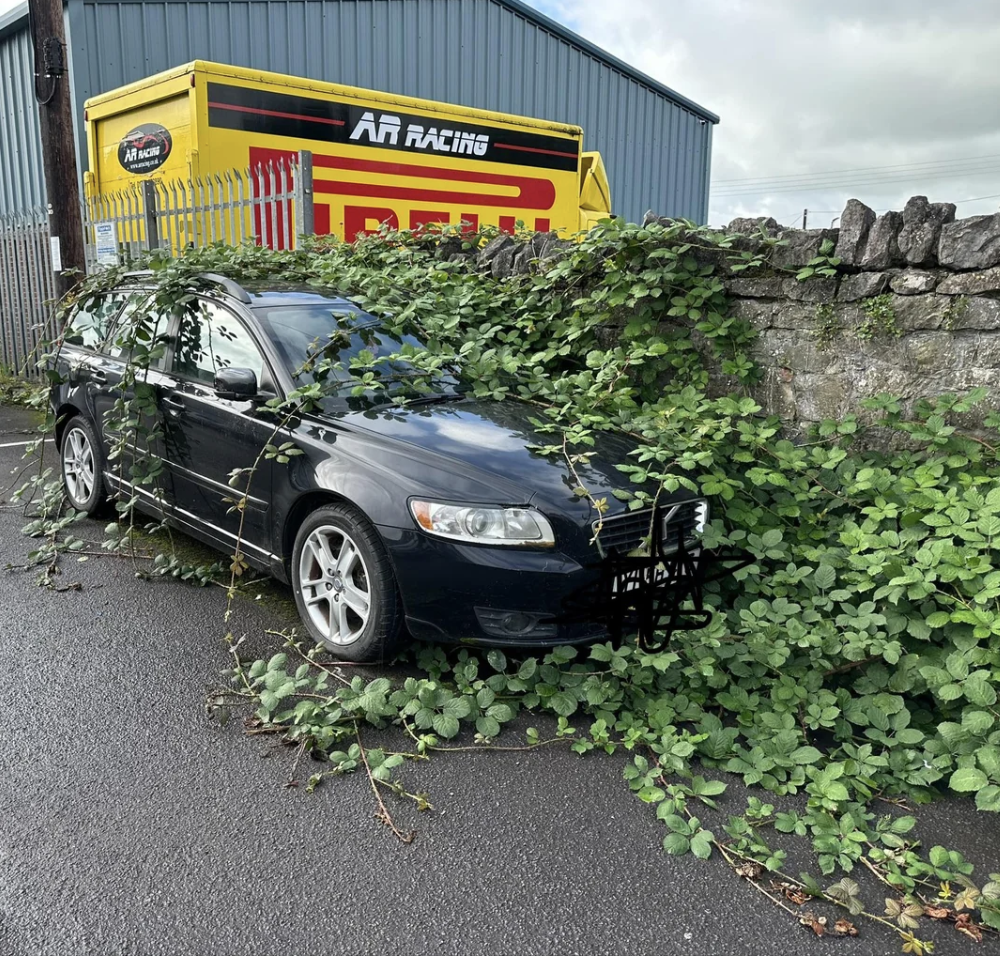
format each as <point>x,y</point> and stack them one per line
<point>103,104</point>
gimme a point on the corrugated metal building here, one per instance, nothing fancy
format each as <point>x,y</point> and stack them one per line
<point>492,54</point>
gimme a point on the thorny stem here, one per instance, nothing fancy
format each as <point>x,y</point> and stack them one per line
<point>383,815</point>
<point>798,884</point>
<point>586,490</point>
<point>754,883</point>
<point>482,747</point>
<point>300,750</point>
<point>294,645</point>
<point>400,791</point>
<point>851,665</point>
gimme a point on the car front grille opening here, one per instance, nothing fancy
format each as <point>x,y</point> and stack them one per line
<point>625,533</point>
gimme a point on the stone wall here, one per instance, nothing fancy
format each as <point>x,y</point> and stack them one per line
<point>914,309</point>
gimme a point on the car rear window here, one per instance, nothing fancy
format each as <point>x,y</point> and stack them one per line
<point>141,326</point>
<point>92,321</point>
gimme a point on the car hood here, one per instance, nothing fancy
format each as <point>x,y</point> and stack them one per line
<point>491,440</point>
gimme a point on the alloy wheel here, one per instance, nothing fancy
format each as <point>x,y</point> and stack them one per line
<point>335,585</point>
<point>78,465</point>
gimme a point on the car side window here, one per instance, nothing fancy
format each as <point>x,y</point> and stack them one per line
<point>92,321</point>
<point>140,326</point>
<point>210,338</point>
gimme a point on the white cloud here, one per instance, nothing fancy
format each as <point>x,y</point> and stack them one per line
<point>805,89</point>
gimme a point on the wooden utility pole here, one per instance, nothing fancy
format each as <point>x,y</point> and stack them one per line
<point>53,92</point>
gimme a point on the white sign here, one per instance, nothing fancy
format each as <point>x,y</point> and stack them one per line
<point>56,254</point>
<point>107,243</point>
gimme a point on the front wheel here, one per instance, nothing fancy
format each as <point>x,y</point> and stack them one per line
<point>344,587</point>
<point>82,467</point>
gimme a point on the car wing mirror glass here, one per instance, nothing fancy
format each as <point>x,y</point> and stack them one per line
<point>236,384</point>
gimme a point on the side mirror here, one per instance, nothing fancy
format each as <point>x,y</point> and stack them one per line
<point>236,384</point>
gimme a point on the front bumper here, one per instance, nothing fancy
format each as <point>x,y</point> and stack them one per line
<point>454,592</point>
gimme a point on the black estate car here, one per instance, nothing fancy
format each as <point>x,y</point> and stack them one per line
<point>433,516</point>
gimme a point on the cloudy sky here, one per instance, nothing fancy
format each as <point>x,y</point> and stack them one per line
<point>876,99</point>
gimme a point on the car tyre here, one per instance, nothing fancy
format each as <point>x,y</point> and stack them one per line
<point>344,585</point>
<point>82,465</point>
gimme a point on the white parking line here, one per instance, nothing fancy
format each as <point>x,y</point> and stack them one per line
<point>21,444</point>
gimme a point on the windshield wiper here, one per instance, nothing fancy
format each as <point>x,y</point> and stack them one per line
<point>436,398</point>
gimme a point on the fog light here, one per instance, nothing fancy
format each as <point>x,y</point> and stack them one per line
<point>506,623</point>
<point>517,622</point>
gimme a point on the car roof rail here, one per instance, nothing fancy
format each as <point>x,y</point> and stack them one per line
<point>232,287</point>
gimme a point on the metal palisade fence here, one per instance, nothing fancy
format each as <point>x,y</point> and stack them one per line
<point>27,287</point>
<point>271,206</point>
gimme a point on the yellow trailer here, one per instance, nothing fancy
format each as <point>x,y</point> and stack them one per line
<point>377,158</point>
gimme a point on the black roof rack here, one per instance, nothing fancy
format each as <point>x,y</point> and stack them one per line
<point>230,285</point>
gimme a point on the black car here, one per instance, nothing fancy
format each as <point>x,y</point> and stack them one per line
<point>433,516</point>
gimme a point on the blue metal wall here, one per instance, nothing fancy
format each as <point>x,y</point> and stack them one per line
<point>22,184</point>
<point>492,54</point>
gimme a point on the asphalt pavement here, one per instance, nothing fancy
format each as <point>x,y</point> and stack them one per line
<point>131,823</point>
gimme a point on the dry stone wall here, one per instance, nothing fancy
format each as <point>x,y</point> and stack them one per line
<point>914,309</point>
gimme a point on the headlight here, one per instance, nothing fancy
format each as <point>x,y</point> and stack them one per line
<point>484,524</point>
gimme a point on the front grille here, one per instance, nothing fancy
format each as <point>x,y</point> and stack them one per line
<point>624,533</point>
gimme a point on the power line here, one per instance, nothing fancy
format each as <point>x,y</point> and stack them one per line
<point>858,169</point>
<point>958,202</point>
<point>849,185</point>
<point>871,177</point>
<point>898,176</point>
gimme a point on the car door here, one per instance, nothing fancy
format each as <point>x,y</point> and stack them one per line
<point>207,437</point>
<point>105,336</point>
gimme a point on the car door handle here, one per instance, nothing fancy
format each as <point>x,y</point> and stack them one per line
<point>173,405</point>
<point>98,375</point>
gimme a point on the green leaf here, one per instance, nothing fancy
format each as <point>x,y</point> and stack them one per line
<point>676,844</point>
<point>445,725</point>
<point>563,704</point>
<point>825,577</point>
<point>989,798</point>
<point>806,755</point>
<point>501,713</point>
<point>701,844</point>
<point>527,669</point>
<point>710,788</point>
<point>979,689</point>
<point>487,726</point>
<point>497,660</point>
<point>771,538</point>
<point>989,760</point>
<point>939,856</point>
<point>967,779</point>
<point>458,707</point>
<point>651,794</point>
<point>977,722</point>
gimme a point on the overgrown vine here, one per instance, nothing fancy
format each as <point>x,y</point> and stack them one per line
<point>855,661</point>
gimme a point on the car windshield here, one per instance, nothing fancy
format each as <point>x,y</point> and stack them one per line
<point>306,335</point>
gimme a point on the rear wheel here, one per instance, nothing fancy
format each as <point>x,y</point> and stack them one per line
<point>344,586</point>
<point>83,467</point>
